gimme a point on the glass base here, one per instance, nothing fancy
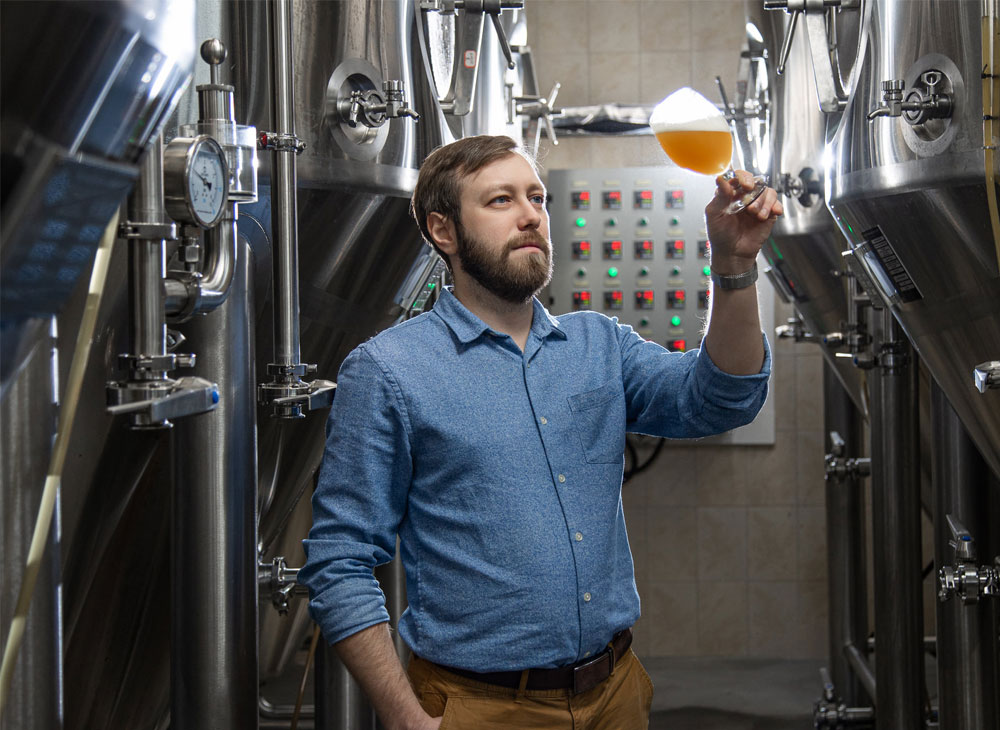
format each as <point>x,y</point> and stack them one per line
<point>759,186</point>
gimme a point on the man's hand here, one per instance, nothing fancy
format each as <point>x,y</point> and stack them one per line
<point>737,238</point>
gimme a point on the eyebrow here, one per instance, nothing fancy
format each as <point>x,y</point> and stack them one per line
<point>508,188</point>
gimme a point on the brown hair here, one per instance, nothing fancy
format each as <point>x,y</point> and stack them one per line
<point>438,188</point>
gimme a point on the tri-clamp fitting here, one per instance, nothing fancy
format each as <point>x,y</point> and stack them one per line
<point>281,582</point>
<point>830,713</point>
<point>965,579</point>
<point>987,375</point>
<point>373,109</point>
<point>839,468</point>
<point>921,104</point>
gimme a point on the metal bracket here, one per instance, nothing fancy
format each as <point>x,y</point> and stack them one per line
<point>290,399</point>
<point>148,231</point>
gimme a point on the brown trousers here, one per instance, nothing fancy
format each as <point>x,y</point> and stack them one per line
<point>621,702</point>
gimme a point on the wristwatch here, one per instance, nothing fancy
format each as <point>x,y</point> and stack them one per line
<point>735,281</point>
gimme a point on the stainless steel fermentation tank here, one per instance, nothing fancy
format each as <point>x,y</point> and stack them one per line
<point>85,87</point>
<point>910,188</point>
<point>359,258</point>
<point>804,253</point>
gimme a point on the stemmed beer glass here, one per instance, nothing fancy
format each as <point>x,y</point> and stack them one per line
<point>695,135</point>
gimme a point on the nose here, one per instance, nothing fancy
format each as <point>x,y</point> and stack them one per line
<point>531,216</point>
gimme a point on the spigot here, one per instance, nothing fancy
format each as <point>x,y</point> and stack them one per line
<point>839,468</point>
<point>832,714</point>
<point>794,329</point>
<point>921,104</point>
<point>151,404</point>
<point>806,187</point>
<point>834,339</point>
<point>987,375</point>
<point>964,578</point>
<point>281,582</point>
<point>373,108</point>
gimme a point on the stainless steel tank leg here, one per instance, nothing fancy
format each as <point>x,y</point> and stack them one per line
<point>966,634</point>
<point>899,662</point>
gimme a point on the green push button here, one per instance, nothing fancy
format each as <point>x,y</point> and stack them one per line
<point>675,321</point>
<point>644,322</point>
<point>706,270</point>
<point>580,222</point>
<point>613,272</point>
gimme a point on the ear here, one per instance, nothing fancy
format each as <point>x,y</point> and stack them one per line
<point>442,230</point>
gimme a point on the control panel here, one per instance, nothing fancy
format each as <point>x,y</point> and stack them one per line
<point>632,243</point>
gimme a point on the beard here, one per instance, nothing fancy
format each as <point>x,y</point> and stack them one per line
<point>514,281</point>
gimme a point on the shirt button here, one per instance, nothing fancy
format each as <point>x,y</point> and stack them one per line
<point>578,536</point>
<point>544,420</point>
<point>586,596</point>
<point>586,653</point>
<point>562,477</point>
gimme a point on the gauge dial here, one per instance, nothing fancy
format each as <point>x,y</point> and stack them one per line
<point>196,180</point>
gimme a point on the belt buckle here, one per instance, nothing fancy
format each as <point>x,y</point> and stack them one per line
<point>584,680</point>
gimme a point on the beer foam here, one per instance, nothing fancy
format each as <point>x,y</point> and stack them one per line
<point>686,110</point>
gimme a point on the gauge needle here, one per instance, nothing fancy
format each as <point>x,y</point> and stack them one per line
<point>204,180</point>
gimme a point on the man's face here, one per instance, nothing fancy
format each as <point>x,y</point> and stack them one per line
<point>503,231</point>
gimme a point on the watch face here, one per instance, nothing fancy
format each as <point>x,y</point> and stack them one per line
<point>207,183</point>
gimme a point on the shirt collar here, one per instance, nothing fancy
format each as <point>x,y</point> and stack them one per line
<point>467,326</point>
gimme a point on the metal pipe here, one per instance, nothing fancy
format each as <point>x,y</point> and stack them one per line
<point>896,543</point>
<point>147,261</point>
<point>214,658</point>
<point>284,220</point>
<point>967,637</point>
<point>845,539</point>
<point>861,668</point>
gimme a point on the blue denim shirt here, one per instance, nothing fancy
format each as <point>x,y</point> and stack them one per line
<point>501,471</point>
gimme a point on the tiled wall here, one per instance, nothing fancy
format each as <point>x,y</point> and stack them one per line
<point>729,541</point>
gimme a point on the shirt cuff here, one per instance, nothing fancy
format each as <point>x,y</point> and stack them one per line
<point>731,391</point>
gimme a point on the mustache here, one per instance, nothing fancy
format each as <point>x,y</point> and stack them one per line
<point>528,238</point>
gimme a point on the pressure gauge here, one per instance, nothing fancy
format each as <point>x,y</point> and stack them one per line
<point>195,180</point>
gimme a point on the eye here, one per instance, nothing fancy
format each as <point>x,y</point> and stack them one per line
<point>500,200</point>
<point>537,199</point>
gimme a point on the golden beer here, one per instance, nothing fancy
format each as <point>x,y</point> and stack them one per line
<point>705,151</point>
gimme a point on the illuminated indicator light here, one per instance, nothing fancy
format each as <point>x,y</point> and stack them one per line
<point>616,245</point>
<point>679,296</point>
<point>678,345</point>
<point>581,222</point>
<point>648,295</point>
<point>707,271</point>
<point>677,194</point>
<point>678,245</point>
<point>584,245</point>
<point>616,295</point>
<point>647,245</point>
<point>614,195</point>
<point>849,227</point>
<point>431,286</point>
<point>646,195</point>
<point>613,272</point>
<point>675,321</point>
<point>584,195</point>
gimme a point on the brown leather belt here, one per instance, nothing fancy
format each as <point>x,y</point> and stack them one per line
<point>578,677</point>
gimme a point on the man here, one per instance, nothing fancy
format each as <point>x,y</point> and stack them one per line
<point>489,435</point>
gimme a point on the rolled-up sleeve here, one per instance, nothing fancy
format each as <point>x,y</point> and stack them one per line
<point>685,395</point>
<point>360,499</point>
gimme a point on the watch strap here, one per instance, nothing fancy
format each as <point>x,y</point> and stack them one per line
<point>735,281</point>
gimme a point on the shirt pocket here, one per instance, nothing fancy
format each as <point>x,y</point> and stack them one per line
<point>599,421</point>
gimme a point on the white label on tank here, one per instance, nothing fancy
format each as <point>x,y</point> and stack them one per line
<point>470,59</point>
